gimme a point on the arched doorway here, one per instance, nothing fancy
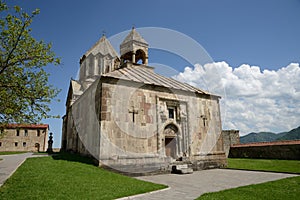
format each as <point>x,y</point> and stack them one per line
<point>170,134</point>
<point>37,147</point>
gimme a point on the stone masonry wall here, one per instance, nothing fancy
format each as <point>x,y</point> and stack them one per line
<point>133,120</point>
<point>230,137</point>
<point>289,150</point>
<point>18,139</point>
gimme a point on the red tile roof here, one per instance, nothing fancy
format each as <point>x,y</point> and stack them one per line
<point>30,126</point>
<point>285,142</point>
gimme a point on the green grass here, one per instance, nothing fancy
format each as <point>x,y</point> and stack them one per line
<point>65,176</point>
<point>288,188</point>
<point>290,166</point>
<point>11,152</point>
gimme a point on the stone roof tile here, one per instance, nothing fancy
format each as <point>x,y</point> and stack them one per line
<point>134,36</point>
<point>146,75</point>
<point>76,87</point>
<point>104,47</point>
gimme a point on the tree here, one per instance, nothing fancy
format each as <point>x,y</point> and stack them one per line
<point>25,93</point>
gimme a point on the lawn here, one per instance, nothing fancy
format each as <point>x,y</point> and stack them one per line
<point>288,188</point>
<point>67,176</point>
<point>290,166</point>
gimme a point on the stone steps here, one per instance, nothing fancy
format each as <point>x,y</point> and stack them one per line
<point>138,170</point>
<point>181,169</point>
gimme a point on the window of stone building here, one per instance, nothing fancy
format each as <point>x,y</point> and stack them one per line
<point>38,133</point>
<point>171,113</point>
<point>16,144</point>
<point>107,69</point>
<point>173,108</point>
<point>25,132</point>
<point>24,144</point>
<point>0,144</point>
<point>18,132</point>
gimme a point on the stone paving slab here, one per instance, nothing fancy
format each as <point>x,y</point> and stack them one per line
<point>9,165</point>
<point>191,186</point>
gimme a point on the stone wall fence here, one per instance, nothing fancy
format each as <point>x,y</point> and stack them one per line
<point>287,150</point>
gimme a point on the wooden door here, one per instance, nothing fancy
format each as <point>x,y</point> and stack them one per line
<point>170,146</point>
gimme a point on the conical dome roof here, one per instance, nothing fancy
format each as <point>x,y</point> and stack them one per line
<point>104,47</point>
<point>134,36</point>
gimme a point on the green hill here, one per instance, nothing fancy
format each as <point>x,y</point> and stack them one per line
<point>291,135</point>
<point>258,137</point>
<point>269,136</point>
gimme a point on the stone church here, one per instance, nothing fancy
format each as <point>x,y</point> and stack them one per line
<point>131,119</point>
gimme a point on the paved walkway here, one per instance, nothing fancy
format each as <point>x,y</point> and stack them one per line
<point>10,163</point>
<point>193,185</point>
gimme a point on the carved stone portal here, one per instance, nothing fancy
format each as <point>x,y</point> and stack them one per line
<point>170,134</point>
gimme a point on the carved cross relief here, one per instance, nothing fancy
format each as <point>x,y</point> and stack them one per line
<point>204,118</point>
<point>134,112</point>
<point>204,121</point>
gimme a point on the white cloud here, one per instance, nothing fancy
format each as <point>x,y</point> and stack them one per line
<point>252,100</point>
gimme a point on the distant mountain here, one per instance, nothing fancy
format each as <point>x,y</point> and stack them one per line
<point>269,136</point>
<point>291,135</point>
<point>258,137</point>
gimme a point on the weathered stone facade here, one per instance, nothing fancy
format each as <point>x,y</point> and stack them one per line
<point>132,119</point>
<point>230,137</point>
<point>21,137</point>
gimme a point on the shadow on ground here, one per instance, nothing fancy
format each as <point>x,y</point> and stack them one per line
<point>72,157</point>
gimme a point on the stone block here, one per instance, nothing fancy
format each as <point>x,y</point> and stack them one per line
<point>186,171</point>
<point>105,116</point>
<point>181,169</point>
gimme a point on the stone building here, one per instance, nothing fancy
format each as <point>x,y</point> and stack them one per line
<point>24,137</point>
<point>230,137</point>
<point>132,119</point>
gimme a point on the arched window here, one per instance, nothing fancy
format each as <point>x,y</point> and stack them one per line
<point>127,57</point>
<point>140,57</point>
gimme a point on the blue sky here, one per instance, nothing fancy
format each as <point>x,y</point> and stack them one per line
<point>257,33</point>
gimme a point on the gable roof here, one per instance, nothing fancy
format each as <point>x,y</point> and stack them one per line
<point>146,75</point>
<point>104,47</point>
